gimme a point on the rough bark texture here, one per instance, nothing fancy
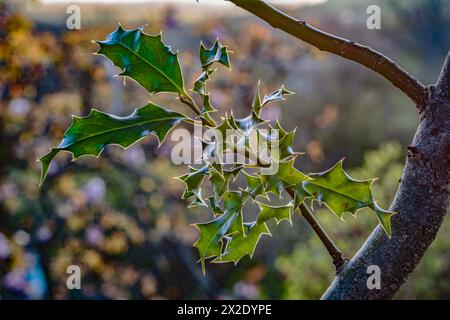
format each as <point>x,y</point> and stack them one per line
<point>421,201</point>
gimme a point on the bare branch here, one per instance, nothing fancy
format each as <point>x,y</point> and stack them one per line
<point>421,203</point>
<point>443,83</point>
<point>350,50</point>
<point>338,258</point>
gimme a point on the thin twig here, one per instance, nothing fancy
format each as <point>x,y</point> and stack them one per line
<point>350,50</point>
<point>338,258</point>
<point>187,100</point>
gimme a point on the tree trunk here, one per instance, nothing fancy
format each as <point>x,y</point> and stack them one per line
<point>421,202</point>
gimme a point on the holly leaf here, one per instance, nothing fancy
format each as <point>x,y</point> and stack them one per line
<point>145,59</point>
<point>254,186</point>
<point>217,53</point>
<point>193,181</point>
<point>211,233</point>
<point>91,134</point>
<point>287,176</point>
<point>278,213</point>
<point>300,194</point>
<point>277,95</point>
<point>206,105</point>
<point>339,191</point>
<point>215,206</point>
<point>219,184</point>
<point>384,216</point>
<point>224,126</point>
<point>220,180</point>
<point>200,83</point>
<point>285,150</point>
<point>246,125</point>
<point>240,245</point>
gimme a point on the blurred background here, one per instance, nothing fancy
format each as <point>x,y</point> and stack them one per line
<point>120,217</point>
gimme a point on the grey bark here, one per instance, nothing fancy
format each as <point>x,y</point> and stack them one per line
<point>421,202</point>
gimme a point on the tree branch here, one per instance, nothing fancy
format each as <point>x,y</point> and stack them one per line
<point>443,83</point>
<point>338,258</point>
<point>421,203</point>
<point>350,50</point>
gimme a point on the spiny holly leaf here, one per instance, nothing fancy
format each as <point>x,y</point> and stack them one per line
<point>247,124</point>
<point>217,53</point>
<point>215,206</point>
<point>220,180</point>
<point>224,126</point>
<point>211,233</point>
<point>285,150</point>
<point>256,103</point>
<point>193,181</point>
<point>278,95</point>
<point>206,105</point>
<point>91,134</point>
<point>278,213</point>
<point>254,186</point>
<point>384,216</point>
<point>339,191</point>
<point>300,194</point>
<point>200,83</point>
<point>342,194</point>
<point>287,176</point>
<point>145,59</point>
<point>240,245</point>
<point>219,184</point>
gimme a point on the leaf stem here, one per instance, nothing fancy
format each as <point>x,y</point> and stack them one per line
<point>187,100</point>
<point>338,257</point>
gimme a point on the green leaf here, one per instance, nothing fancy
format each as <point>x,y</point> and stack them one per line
<point>91,134</point>
<point>254,186</point>
<point>300,195</point>
<point>285,150</point>
<point>339,191</point>
<point>224,126</point>
<point>247,124</point>
<point>215,206</point>
<point>278,95</point>
<point>200,83</point>
<point>211,233</point>
<point>206,105</point>
<point>384,216</point>
<point>193,181</point>
<point>256,103</point>
<point>219,184</point>
<point>217,53</point>
<point>278,213</point>
<point>220,180</point>
<point>240,245</point>
<point>145,59</point>
<point>287,176</point>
